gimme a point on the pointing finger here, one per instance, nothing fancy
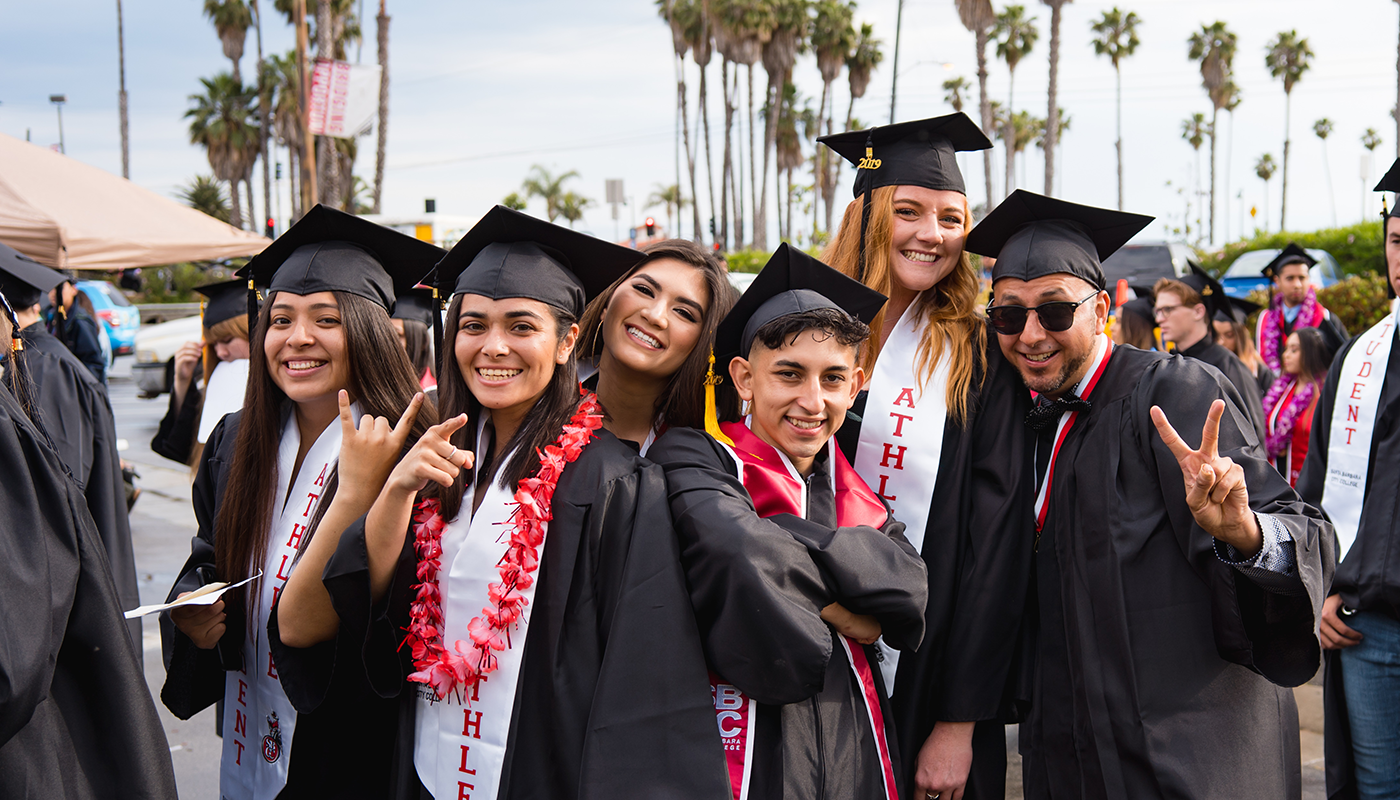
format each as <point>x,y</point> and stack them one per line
<point>446,428</point>
<point>1210,434</point>
<point>1170,437</point>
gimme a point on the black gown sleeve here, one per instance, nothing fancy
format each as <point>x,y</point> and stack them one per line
<point>175,438</point>
<point>1313,476</point>
<point>80,334</point>
<point>1273,633</point>
<point>756,591</point>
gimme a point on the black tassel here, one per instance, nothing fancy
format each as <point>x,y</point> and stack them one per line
<point>437,331</point>
<point>864,210</point>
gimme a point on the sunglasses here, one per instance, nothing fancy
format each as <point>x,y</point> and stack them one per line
<point>1055,317</point>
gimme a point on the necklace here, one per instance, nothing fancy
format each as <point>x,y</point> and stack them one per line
<point>468,661</point>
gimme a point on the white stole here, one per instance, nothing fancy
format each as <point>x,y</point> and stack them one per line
<point>259,720</point>
<point>901,438</point>
<point>223,394</point>
<point>1359,388</point>
<point>460,747</point>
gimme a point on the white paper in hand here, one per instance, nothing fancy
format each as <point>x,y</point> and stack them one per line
<point>205,595</point>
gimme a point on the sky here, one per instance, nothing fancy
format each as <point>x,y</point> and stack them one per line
<point>482,91</point>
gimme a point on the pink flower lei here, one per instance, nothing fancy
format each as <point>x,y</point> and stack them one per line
<point>467,662</point>
<point>1271,322</point>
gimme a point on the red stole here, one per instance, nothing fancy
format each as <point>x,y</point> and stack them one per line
<point>775,490</point>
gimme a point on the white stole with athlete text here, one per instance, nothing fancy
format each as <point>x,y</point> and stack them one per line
<point>461,739</point>
<point>259,720</point>
<point>901,438</point>
<point>1353,422</point>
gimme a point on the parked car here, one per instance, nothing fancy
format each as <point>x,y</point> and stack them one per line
<point>1245,274</point>
<point>1144,264</point>
<point>119,317</point>
<point>154,370</point>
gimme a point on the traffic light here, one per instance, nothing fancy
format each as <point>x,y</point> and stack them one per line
<point>651,227</point>
<point>271,226</point>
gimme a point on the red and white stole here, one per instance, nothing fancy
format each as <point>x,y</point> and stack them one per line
<point>461,739</point>
<point>1085,387</point>
<point>776,488</point>
<point>1353,422</point>
<point>259,720</point>
<point>901,437</point>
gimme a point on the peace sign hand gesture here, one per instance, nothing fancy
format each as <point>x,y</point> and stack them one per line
<point>1215,488</point>
<point>368,452</point>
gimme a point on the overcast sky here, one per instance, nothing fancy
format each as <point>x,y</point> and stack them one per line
<point>483,90</point>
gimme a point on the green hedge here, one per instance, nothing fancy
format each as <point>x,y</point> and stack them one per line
<point>1360,301</point>
<point>1359,249</point>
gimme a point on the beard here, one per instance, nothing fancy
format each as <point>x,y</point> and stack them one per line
<point>1054,385</point>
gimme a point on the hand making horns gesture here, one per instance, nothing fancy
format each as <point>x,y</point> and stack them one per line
<point>1215,489</point>
<point>369,452</point>
<point>433,458</point>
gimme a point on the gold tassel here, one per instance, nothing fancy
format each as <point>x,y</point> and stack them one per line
<point>711,413</point>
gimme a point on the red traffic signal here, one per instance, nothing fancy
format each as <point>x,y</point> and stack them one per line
<point>651,227</point>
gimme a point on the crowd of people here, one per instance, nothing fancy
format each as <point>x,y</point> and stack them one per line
<point>604,528</point>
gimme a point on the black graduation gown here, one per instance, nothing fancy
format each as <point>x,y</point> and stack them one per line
<point>613,700</point>
<point>978,555</point>
<point>1263,378</point>
<point>758,586</point>
<point>1161,671</point>
<point>78,331</point>
<point>1369,578</point>
<point>76,718</point>
<point>77,416</point>
<point>339,749</point>
<point>176,436</point>
<point>1244,381</point>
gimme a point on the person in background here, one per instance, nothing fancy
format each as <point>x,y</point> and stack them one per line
<point>75,324</point>
<point>1288,407</point>
<point>413,322</point>
<point>1294,305</point>
<point>1135,324</point>
<point>224,318</point>
<point>1232,332</point>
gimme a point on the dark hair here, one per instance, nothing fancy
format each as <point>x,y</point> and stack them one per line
<point>22,296</point>
<point>80,299</point>
<point>418,342</point>
<point>1136,330</point>
<point>380,380</point>
<point>540,428</point>
<point>682,402</point>
<point>783,331</point>
<point>1316,359</point>
<point>16,370</point>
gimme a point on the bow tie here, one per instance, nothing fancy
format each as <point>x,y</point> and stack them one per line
<point>1046,413</point>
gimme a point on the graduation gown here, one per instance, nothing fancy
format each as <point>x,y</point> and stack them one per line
<point>978,555</point>
<point>76,718</point>
<point>1244,381</point>
<point>1161,671</point>
<point>78,331</point>
<point>175,437</point>
<point>758,586</point>
<point>338,749</point>
<point>1369,578</point>
<point>76,414</point>
<point>612,700</point>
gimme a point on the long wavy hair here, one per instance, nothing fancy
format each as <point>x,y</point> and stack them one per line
<point>418,340</point>
<point>541,427</point>
<point>682,402</point>
<point>950,307</point>
<point>380,379</point>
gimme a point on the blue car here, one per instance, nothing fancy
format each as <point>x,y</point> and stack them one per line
<point>1245,274</point>
<point>119,317</point>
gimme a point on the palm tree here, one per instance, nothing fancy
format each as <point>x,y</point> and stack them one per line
<point>833,37</point>
<point>953,89</point>
<point>1016,35</point>
<point>1287,58</point>
<point>865,56</point>
<point>788,149</point>
<point>671,198</point>
<point>382,144</point>
<point>683,16</point>
<point>1116,37</point>
<point>514,202</point>
<point>204,193</point>
<point>231,20</point>
<point>1214,46</point>
<point>1052,117</point>
<point>1369,140</point>
<point>702,48</point>
<point>285,80</point>
<point>540,183</point>
<point>221,122</point>
<point>1195,129</point>
<point>1041,140</point>
<point>1233,96</point>
<point>741,29</point>
<point>572,206</point>
<point>1265,168</point>
<point>979,18</point>
<point>790,25</point>
<point>1323,129</point>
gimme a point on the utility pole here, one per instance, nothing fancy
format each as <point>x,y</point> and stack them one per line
<point>894,69</point>
<point>308,156</point>
<point>58,100</point>
<point>121,94</point>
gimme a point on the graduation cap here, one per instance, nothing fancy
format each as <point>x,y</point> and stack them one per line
<point>1212,294</point>
<point>1292,254</point>
<point>417,304</point>
<point>1031,236</point>
<point>332,251</point>
<point>919,153</point>
<point>1143,308</point>
<point>21,277</point>
<point>1390,182</point>
<point>227,299</point>
<point>1240,309</point>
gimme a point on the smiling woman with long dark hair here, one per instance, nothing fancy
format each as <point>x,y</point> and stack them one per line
<point>267,475</point>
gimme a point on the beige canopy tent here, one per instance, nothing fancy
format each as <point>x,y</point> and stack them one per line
<point>67,214</point>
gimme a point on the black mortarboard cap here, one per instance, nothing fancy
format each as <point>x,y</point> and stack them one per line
<point>332,251</point>
<point>1292,254</point>
<point>1032,236</point>
<point>227,299</point>
<point>791,282</point>
<point>510,254</point>
<point>1240,309</point>
<point>21,275</point>
<point>1212,294</point>
<point>919,153</point>
<point>1390,182</point>
<point>416,304</point>
<point>1141,307</point>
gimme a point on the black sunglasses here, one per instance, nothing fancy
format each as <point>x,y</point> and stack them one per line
<point>1057,316</point>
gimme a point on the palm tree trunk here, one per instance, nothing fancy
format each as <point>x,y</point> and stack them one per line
<point>1214,115</point>
<point>829,179</point>
<point>1052,117</point>
<point>252,216</point>
<point>121,94</point>
<point>726,167</point>
<point>1229,151</point>
<point>293,181</point>
<point>736,179</point>
<point>1287,141</point>
<point>1009,138</point>
<point>690,149</point>
<point>986,108</point>
<point>819,159</point>
<point>382,146</point>
<point>774,95</point>
<point>1119,144</point>
<point>760,221</point>
<point>1327,171</point>
<point>326,156</point>
<point>680,128</point>
<point>235,206</point>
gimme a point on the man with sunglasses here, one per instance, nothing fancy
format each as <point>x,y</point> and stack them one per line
<point>1178,585</point>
